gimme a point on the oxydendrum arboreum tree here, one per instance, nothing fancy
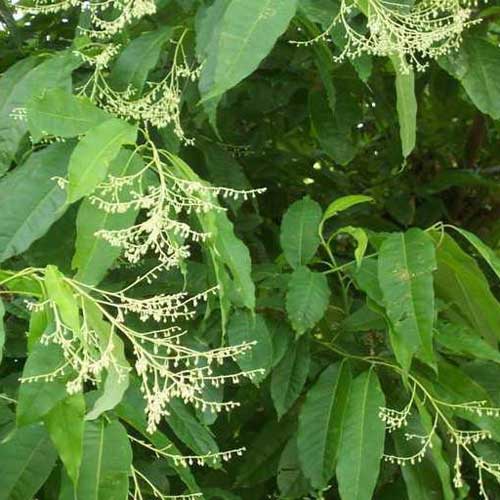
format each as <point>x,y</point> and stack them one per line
<point>257,230</point>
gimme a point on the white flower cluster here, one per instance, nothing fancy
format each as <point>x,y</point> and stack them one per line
<point>162,230</point>
<point>464,440</point>
<point>429,29</point>
<point>107,17</point>
<point>105,53</point>
<point>395,419</point>
<point>161,102</point>
<point>167,368</point>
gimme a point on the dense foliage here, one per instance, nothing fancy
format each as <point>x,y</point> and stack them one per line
<point>249,249</point>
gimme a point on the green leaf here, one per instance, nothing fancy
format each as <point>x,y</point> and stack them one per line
<point>321,423</point>
<point>362,440</point>
<point>106,462</point>
<point>289,377</point>
<point>2,329</point>
<point>421,479</point>
<point>90,160</point>
<point>61,294</point>
<point>138,58</point>
<point>245,327</point>
<point>209,21</point>
<point>230,257</point>
<point>94,256</point>
<point>460,283</point>
<point>299,231</point>
<point>117,373</point>
<point>454,384</point>
<point>405,266</point>
<point>30,199</point>
<point>132,411</point>
<point>437,454</point>
<point>484,250</point>
<point>476,65</point>
<point>248,32</point>
<point>26,460</point>
<point>282,338</point>
<point>190,431</point>
<point>224,170</point>
<point>460,339</point>
<point>38,397</point>
<point>59,113</point>
<point>291,480</point>
<point>366,278</point>
<point>261,460</point>
<point>361,238</point>
<point>64,424</point>
<point>232,254</point>
<point>307,298</point>
<point>406,104</point>
<point>343,203</point>
<point>333,132</point>
<point>19,85</point>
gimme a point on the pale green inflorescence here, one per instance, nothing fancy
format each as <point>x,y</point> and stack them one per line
<point>428,29</point>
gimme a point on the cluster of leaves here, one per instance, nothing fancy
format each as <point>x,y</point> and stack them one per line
<point>366,276</point>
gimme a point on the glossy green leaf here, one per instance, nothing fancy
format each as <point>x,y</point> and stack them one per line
<point>460,339</point>
<point>63,297</point>
<point>405,266</point>
<point>245,327</point>
<point>343,203</point>
<point>117,375</point>
<point>366,277</point>
<point>421,479</point>
<point>282,338</point>
<point>307,298</point>
<point>138,58</point>
<point>209,21</point>
<point>30,199</point>
<point>321,423</point>
<point>332,130</point>
<point>361,238</point>
<point>92,156</point>
<point>19,85</point>
<point>64,423</point>
<point>26,460</point>
<point>261,460</point>
<point>299,232</point>
<point>291,480</point>
<point>59,113</point>
<point>289,377</point>
<point>484,250</point>
<point>362,440</point>
<point>476,66</point>
<point>460,283</point>
<point>406,106</point>
<point>454,384</point>
<point>437,452</point>
<point>191,432</point>
<point>93,255</point>
<point>106,462</point>
<point>230,257</point>
<point>232,254</point>
<point>38,397</point>
<point>248,32</point>
<point>2,329</point>
<point>131,411</point>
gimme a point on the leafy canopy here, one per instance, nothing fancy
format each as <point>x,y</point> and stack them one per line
<point>249,249</point>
